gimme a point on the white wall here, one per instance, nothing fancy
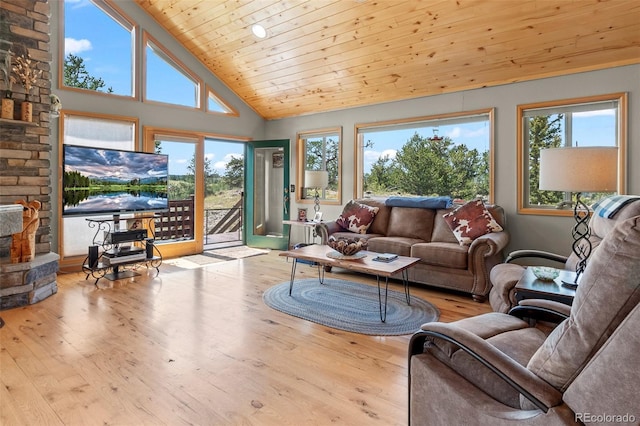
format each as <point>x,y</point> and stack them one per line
<point>527,231</point>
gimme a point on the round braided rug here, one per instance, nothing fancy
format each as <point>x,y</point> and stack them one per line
<point>350,306</point>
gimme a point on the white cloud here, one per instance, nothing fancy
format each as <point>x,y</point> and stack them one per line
<point>372,156</point>
<point>598,113</point>
<point>73,46</point>
<point>221,166</point>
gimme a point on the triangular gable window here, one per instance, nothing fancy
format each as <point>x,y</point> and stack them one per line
<point>168,80</point>
<point>217,105</point>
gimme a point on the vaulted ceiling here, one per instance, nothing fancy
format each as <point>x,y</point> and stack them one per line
<point>322,55</point>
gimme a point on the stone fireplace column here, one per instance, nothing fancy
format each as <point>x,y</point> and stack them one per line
<point>25,155</point>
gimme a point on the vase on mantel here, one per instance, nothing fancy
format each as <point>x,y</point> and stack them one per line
<point>27,111</point>
<point>7,107</point>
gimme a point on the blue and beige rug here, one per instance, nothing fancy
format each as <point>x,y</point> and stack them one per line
<point>350,306</point>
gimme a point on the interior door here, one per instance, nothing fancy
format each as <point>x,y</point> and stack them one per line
<point>267,197</point>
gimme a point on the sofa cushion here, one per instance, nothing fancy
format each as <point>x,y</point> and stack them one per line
<point>470,221</point>
<point>441,230</point>
<point>397,245</point>
<point>449,255</point>
<point>380,222</point>
<point>357,217</point>
<point>411,223</point>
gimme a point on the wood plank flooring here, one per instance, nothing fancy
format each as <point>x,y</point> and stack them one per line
<point>198,346</point>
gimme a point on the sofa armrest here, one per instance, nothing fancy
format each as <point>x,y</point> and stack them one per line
<point>325,229</point>
<point>484,253</point>
<point>519,254</point>
<point>497,241</point>
<point>532,387</point>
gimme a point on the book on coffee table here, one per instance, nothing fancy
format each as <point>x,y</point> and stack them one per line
<point>385,257</point>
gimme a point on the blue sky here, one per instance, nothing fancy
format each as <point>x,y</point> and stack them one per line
<point>106,55</point>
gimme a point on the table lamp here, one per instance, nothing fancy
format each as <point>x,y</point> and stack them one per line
<point>577,170</point>
<point>317,179</point>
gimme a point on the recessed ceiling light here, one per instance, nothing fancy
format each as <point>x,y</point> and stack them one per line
<point>258,31</point>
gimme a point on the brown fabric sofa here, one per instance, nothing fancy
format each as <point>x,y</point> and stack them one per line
<point>499,369</point>
<point>423,233</point>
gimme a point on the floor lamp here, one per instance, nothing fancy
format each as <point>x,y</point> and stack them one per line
<point>317,179</point>
<point>577,170</point>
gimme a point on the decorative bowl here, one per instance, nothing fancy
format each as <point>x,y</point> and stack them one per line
<point>347,246</point>
<point>545,273</point>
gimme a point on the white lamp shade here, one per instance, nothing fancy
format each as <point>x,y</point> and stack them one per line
<point>316,179</point>
<point>579,169</point>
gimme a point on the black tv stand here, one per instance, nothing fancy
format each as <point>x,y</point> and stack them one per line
<point>110,255</point>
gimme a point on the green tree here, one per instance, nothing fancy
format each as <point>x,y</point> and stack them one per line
<point>208,170</point>
<point>381,175</point>
<point>544,132</point>
<point>432,166</point>
<point>76,75</point>
<point>234,172</point>
<point>324,156</point>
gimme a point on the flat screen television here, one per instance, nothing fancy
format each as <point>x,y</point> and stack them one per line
<point>100,181</point>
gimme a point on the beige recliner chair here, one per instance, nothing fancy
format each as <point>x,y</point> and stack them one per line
<point>505,276</point>
<point>498,369</point>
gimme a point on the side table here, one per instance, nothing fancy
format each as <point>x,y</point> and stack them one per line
<point>530,287</point>
<point>309,229</point>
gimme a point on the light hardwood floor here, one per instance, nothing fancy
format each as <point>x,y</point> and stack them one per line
<point>198,346</point>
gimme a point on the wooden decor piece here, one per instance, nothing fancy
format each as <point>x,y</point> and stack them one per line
<point>7,108</point>
<point>27,111</point>
<point>23,244</point>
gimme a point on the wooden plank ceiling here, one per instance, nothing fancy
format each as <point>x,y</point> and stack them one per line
<point>322,55</point>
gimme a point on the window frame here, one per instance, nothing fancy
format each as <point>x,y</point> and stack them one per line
<point>523,151</point>
<point>64,116</point>
<point>359,145</point>
<point>301,138</point>
<point>211,94</point>
<point>110,8</point>
<point>149,41</point>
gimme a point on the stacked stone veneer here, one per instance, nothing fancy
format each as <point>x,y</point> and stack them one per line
<point>25,154</point>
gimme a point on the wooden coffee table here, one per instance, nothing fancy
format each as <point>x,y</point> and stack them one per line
<point>318,254</point>
<point>530,287</point>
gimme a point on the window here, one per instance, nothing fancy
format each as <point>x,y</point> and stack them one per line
<point>427,156</point>
<point>98,132</point>
<point>585,122</point>
<point>98,60</point>
<point>320,150</point>
<point>216,104</point>
<point>167,80</point>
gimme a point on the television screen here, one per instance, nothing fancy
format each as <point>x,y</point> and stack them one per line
<point>108,181</point>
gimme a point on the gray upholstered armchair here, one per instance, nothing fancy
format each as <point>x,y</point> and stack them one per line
<point>498,369</point>
<point>505,276</point>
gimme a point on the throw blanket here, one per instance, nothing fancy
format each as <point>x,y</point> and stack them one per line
<point>420,202</point>
<point>608,207</point>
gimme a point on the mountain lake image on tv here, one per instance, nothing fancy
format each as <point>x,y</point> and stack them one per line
<point>108,181</point>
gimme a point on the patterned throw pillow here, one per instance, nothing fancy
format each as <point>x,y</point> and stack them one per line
<point>357,217</point>
<point>471,221</point>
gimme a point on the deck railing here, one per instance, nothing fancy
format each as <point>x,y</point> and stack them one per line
<point>220,225</point>
<point>178,222</point>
